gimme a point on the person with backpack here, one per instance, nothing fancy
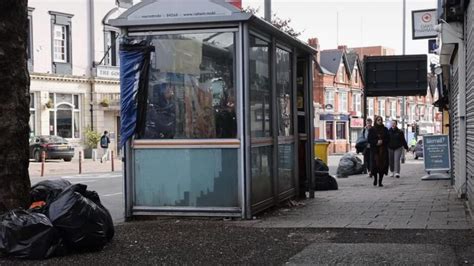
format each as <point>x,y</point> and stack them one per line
<point>104,144</point>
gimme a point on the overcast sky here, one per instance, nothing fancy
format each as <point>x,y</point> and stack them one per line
<point>361,23</point>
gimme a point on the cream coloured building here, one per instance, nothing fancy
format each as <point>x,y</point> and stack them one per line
<point>74,68</point>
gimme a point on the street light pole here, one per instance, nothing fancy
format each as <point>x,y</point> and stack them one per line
<point>268,10</point>
<point>403,112</point>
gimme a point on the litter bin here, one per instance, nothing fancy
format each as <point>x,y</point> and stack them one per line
<point>321,149</point>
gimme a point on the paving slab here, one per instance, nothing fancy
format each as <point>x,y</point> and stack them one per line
<point>407,202</point>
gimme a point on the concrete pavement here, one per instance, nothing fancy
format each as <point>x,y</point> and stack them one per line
<point>403,203</point>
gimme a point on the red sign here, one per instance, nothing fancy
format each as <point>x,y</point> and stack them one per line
<point>237,3</point>
<point>357,122</point>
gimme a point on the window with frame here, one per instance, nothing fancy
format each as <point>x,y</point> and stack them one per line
<point>412,113</point>
<point>341,130</point>
<point>341,74</point>
<point>329,129</point>
<point>370,107</point>
<point>60,40</point>
<point>32,121</point>
<point>357,104</point>
<point>111,45</point>
<point>329,98</point>
<point>29,40</point>
<point>356,76</point>
<point>61,43</point>
<point>342,101</point>
<point>382,107</point>
<point>393,109</point>
<point>64,117</point>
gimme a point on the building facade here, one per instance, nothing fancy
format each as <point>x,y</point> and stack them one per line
<point>456,70</point>
<point>74,69</point>
<point>338,100</point>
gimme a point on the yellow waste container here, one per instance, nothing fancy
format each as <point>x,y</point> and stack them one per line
<point>321,150</point>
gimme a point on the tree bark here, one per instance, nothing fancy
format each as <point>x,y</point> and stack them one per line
<point>14,105</point>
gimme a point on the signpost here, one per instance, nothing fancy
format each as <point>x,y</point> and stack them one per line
<point>423,24</point>
<point>436,156</point>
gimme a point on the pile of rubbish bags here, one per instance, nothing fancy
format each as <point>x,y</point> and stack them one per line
<point>322,179</point>
<point>63,218</point>
<point>350,164</point>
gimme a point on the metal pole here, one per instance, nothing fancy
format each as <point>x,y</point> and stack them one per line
<point>112,157</point>
<point>403,112</point>
<point>80,162</point>
<point>43,156</point>
<point>268,10</point>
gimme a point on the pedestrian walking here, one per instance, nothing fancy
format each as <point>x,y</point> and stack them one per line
<point>104,144</point>
<point>365,134</point>
<point>395,148</point>
<point>378,140</point>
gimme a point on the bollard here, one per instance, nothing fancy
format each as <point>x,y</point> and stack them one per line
<point>43,156</point>
<point>112,157</point>
<point>80,162</point>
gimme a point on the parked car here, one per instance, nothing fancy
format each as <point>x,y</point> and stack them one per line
<point>418,151</point>
<point>54,147</point>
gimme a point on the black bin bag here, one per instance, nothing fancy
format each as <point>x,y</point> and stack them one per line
<point>28,235</point>
<point>80,218</point>
<point>48,190</point>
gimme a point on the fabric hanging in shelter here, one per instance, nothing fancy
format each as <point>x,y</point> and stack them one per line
<point>134,74</point>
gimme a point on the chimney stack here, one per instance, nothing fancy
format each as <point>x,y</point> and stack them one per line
<point>314,42</point>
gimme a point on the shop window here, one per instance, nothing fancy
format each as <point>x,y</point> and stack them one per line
<point>260,89</point>
<point>191,91</point>
<point>341,130</point>
<point>329,130</point>
<point>64,117</point>
<point>284,92</point>
<point>393,109</point>
<point>61,42</point>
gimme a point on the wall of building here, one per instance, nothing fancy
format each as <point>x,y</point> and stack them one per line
<point>90,85</point>
<point>469,37</point>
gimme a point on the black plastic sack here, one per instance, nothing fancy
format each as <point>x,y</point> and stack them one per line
<point>324,181</point>
<point>48,190</point>
<point>28,235</point>
<point>349,164</point>
<point>82,222</point>
<point>320,165</point>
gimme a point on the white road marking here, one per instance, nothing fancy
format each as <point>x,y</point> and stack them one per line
<point>113,194</point>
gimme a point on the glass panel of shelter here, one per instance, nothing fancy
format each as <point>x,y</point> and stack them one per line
<point>191,91</point>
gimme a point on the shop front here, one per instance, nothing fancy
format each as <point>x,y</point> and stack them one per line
<point>217,129</point>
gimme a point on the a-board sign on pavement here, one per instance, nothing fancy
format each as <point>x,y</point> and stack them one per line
<point>436,153</point>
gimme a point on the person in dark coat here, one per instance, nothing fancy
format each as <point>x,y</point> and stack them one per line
<point>395,148</point>
<point>378,140</point>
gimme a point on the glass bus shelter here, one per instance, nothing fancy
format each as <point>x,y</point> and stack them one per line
<point>228,112</point>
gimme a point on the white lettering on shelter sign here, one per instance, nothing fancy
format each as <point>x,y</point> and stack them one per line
<point>423,23</point>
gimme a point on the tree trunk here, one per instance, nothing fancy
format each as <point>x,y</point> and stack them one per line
<point>14,105</point>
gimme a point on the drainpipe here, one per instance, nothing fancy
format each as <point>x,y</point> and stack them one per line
<point>90,55</point>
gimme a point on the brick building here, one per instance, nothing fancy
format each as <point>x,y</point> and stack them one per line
<point>338,99</point>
